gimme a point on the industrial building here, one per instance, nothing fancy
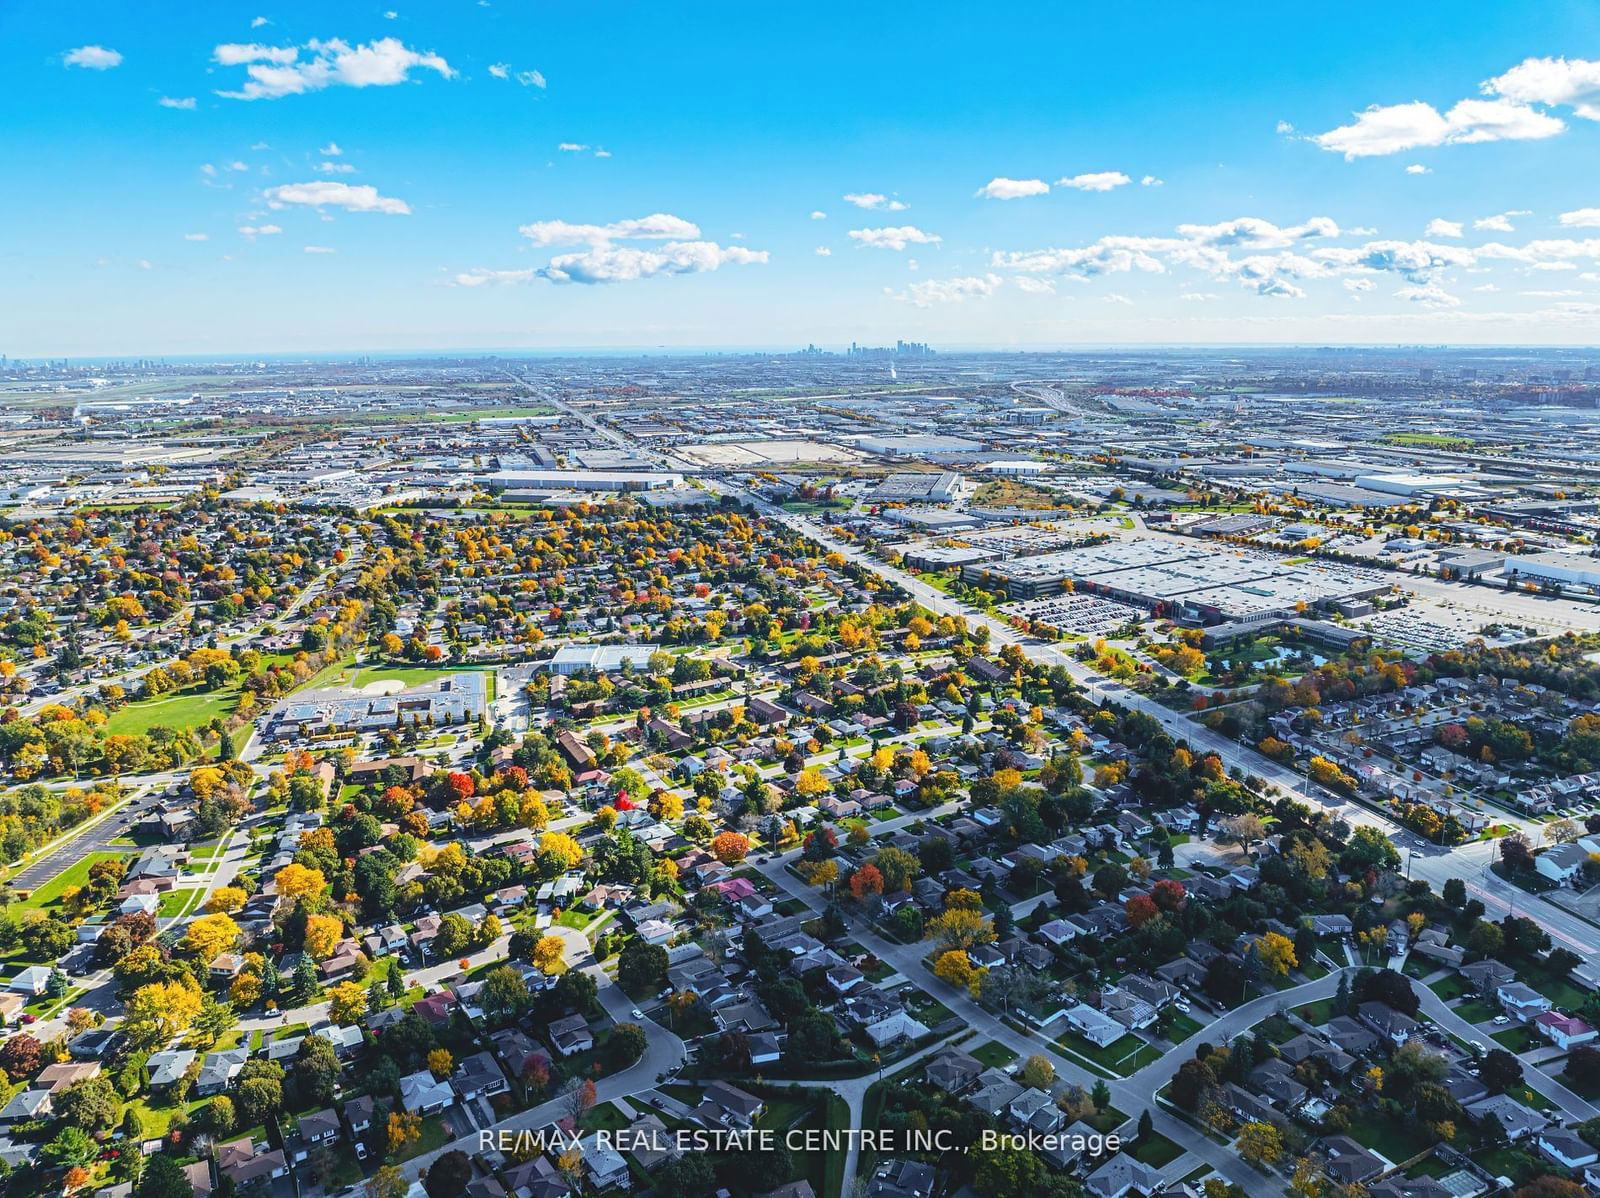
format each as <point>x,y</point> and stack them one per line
<point>602,659</point>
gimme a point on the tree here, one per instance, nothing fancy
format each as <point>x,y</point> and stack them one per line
<point>688,1176</point>
<point>627,1045</point>
<point>560,849</point>
<point>440,1062</point>
<point>323,933</point>
<point>1244,830</point>
<point>72,1147</point>
<point>956,968</point>
<point>316,1072</point>
<point>214,1020</point>
<point>1516,853</point>
<point>641,966</point>
<point>1455,893</point>
<point>1259,1144</point>
<point>1275,951</point>
<point>163,1178</point>
<point>448,1176</point>
<point>1550,1186</point>
<point>960,928</point>
<point>866,882</point>
<point>730,848</point>
<point>504,995</point>
<point>296,881</point>
<point>1193,1081</point>
<point>549,954</point>
<point>1038,1073</point>
<point>21,1056</point>
<point>1500,1071</point>
<point>92,1104</point>
<point>401,1129</point>
<point>347,1002</point>
<point>387,1182</point>
<point>160,1012</point>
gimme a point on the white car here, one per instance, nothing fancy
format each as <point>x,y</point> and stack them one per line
<point>637,1013</point>
<point>1501,1020</point>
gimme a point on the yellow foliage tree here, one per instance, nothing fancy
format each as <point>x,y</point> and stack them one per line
<point>322,933</point>
<point>226,899</point>
<point>296,881</point>
<point>210,935</point>
<point>347,1002</point>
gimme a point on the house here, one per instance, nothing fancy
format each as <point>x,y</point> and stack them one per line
<point>1349,1163</point>
<point>1521,1001</point>
<point>894,1028</point>
<point>603,1165</point>
<point>423,1094</point>
<point>167,1068</point>
<point>519,1053</point>
<point>1561,863</point>
<point>240,1162</point>
<point>32,980</point>
<point>479,1076</point>
<point>1516,1120</point>
<point>1564,1031</point>
<point>570,1035</point>
<point>56,1078</point>
<point>218,1070</point>
<point>726,1106</point>
<point>1122,1175</point>
<point>1488,976</point>
<point>26,1106</point>
<point>319,1127</point>
<point>1094,1026</point>
<point>901,1179</point>
<point>952,1071</point>
<point>359,1113</point>
<point>1566,1148</point>
<point>1383,1019</point>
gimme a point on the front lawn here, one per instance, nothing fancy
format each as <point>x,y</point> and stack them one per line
<point>993,1055</point>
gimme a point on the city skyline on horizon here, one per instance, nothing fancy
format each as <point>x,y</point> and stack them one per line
<point>342,180</point>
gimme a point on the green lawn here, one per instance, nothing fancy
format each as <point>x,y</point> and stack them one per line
<point>415,675</point>
<point>1389,1138</point>
<point>1451,987</point>
<point>1516,1038</point>
<point>187,710</point>
<point>1156,1150</point>
<point>993,1055</point>
<point>1476,1010</point>
<point>1123,1056</point>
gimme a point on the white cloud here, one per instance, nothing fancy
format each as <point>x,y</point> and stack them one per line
<point>254,231</point>
<point>145,264</point>
<point>530,79</point>
<point>276,71</point>
<point>818,214</point>
<point>1390,129</point>
<point>1199,296</point>
<point>1428,294</point>
<point>1284,127</point>
<point>572,147</point>
<point>1416,168</point>
<point>1583,218</point>
<point>823,251</point>
<point>197,237</point>
<point>1359,284</point>
<point>1001,188</point>
<point>185,103</point>
<point>238,166</point>
<point>1152,181</point>
<point>351,197</point>
<point>207,168</point>
<point>871,199</point>
<point>622,264</point>
<point>391,15</point>
<point>1571,83</point>
<point>657,226</point>
<point>950,291</point>
<point>258,22</point>
<point>1486,287</point>
<point>1254,232</point>
<point>1439,227</point>
<point>500,70</point>
<point>1551,294</point>
<point>483,278</point>
<point>335,168</point>
<point>331,150</point>
<point>1034,286</point>
<point>1094,181</point>
<point>894,237</point>
<point>1114,298</point>
<point>318,249</point>
<point>1500,222</point>
<point>602,153</point>
<point>92,58</point>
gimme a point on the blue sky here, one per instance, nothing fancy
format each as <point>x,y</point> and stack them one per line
<point>318,177</point>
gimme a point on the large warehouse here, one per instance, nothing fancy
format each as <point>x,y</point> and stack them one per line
<point>1202,583</point>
